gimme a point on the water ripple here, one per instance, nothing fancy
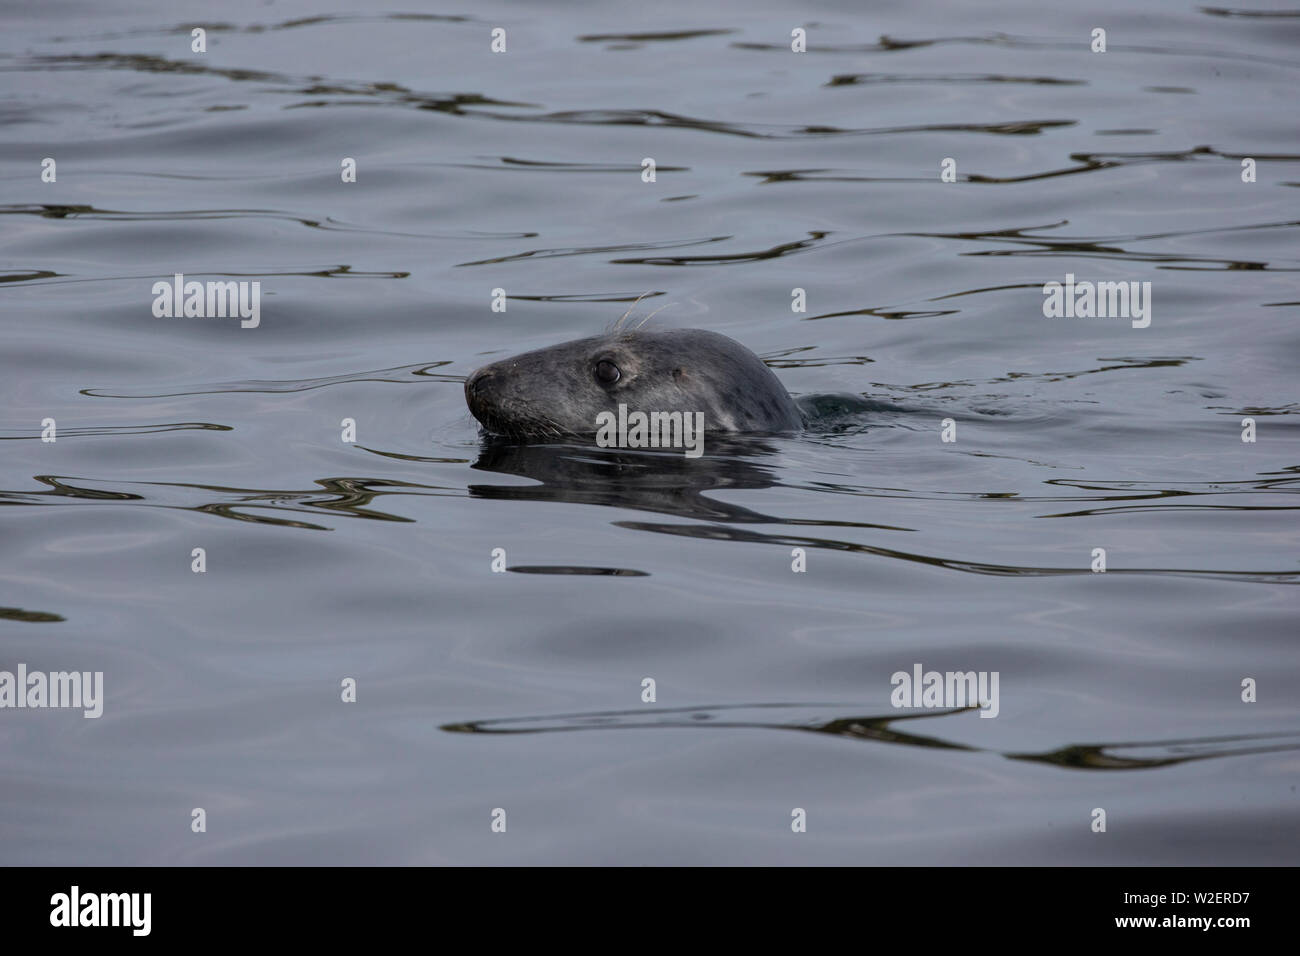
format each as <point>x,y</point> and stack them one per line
<point>1116,755</point>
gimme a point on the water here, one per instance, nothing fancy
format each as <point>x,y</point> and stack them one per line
<point>522,691</point>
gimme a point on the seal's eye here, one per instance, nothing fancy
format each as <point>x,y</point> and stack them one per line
<point>607,372</point>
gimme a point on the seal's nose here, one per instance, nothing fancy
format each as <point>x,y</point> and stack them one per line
<point>476,377</point>
<point>474,387</point>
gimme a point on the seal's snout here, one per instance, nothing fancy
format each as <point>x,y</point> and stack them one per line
<point>488,393</point>
<point>475,390</point>
<point>475,384</point>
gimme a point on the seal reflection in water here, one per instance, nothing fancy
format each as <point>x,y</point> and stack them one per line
<point>559,391</point>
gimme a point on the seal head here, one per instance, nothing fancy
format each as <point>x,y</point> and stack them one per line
<point>558,391</point>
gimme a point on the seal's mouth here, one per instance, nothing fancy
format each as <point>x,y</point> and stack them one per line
<point>503,416</point>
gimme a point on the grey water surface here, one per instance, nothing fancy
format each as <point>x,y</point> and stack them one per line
<point>522,691</point>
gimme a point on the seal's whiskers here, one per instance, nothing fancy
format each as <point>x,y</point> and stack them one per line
<point>618,326</point>
<point>653,314</point>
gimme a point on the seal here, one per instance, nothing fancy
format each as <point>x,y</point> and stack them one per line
<point>558,391</point>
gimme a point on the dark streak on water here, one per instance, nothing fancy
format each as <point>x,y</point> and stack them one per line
<point>774,171</point>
